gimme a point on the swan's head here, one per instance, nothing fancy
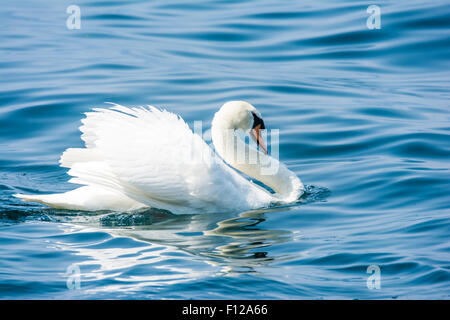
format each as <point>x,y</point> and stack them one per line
<point>241,115</point>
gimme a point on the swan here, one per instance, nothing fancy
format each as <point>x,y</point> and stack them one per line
<point>148,157</point>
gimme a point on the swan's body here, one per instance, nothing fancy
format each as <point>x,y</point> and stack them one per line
<point>146,157</point>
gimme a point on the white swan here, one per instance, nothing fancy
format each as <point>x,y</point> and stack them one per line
<point>136,157</point>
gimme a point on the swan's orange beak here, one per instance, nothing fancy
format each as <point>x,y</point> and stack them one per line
<point>256,135</point>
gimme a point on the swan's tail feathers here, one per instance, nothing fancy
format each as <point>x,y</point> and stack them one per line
<point>51,200</point>
<point>85,198</point>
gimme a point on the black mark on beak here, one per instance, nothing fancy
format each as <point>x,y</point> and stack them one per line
<point>258,121</point>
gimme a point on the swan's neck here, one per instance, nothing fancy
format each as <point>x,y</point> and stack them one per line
<point>266,169</point>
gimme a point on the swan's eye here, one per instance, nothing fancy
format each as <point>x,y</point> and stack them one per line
<point>258,121</point>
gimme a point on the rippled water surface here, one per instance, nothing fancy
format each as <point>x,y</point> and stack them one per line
<point>364,122</point>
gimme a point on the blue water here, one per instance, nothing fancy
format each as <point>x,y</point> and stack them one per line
<point>364,122</point>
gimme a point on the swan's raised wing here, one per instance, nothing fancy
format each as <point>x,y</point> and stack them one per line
<point>153,157</point>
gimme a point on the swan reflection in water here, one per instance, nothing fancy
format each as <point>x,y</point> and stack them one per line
<point>237,244</point>
<point>174,248</point>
